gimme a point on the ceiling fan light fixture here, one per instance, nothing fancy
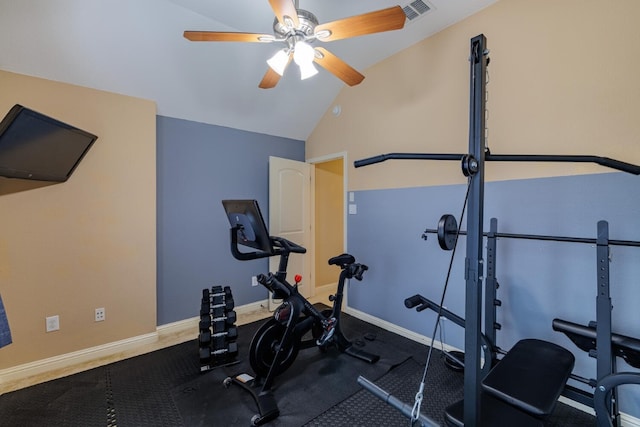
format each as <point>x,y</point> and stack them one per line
<point>303,53</point>
<point>307,70</point>
<point>279,61</point>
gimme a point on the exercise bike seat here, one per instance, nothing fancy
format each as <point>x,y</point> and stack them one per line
<point>342,260</point>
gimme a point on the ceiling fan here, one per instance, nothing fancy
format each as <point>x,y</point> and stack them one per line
<point>298,28</point>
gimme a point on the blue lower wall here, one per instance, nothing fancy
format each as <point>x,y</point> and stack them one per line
<point>198,165</point>
<point>538,280</point>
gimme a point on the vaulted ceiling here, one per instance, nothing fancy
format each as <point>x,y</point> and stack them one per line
<point>137,48</point>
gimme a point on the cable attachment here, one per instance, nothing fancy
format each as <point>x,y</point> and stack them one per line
<point>415,412</point>
<point>469,165</point>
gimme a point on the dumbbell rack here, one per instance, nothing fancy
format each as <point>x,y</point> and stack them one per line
<point>218,333</point>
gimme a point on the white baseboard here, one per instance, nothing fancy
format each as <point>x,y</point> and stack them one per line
<point>414,336</point>
<point>629,421</point>
<point>626,419</point>
<point>43,370</point>
<point>39,371</point>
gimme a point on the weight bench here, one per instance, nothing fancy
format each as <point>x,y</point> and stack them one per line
<point>522,388</point>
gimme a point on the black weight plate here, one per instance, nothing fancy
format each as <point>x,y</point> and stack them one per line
<point>447,230</point>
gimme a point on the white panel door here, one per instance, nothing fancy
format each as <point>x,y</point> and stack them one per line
<point>290,215</point>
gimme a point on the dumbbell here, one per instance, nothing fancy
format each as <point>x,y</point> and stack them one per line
<point>217,310</point>
<point>205,336</point>
<point>205,354</point>
<point>219,290</point>
<point>219,323</point>
<point>230,350</point>
<point>218,298</point>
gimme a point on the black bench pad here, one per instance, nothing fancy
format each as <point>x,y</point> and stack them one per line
<point>531,376</point>
<point>493,413</point>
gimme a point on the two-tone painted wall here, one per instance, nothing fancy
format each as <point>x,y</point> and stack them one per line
<point>138,229</point>
<point>562,80</point>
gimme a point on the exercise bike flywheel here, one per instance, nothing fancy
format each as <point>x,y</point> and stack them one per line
<point>264,346</point>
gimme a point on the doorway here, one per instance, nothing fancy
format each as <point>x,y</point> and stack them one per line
<point>329,220</point>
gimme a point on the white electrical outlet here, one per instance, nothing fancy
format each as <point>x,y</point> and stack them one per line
<point>53,323</point>
<point>254,281</point>
<point>100,314</point>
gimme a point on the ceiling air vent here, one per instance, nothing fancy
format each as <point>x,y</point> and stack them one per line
<point>415,9</point>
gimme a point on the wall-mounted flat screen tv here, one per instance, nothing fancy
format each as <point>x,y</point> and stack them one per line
<point>38,147</point>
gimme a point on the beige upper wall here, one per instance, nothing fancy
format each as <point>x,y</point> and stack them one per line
<point>563,80</point>
<point>90,242</point>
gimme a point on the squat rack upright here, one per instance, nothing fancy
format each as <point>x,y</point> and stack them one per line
<point>473,167</point>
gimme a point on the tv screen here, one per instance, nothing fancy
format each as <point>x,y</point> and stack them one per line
<point>34,146</point>
<point>253,231</point>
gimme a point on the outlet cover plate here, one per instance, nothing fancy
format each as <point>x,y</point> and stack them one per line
<point>53,323</point>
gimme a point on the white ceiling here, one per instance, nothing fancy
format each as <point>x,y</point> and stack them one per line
<point>136,48</point>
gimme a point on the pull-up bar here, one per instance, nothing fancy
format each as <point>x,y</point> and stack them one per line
<point>602,161</point>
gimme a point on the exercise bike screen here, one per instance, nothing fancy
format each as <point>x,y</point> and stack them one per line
<point>246,215</point>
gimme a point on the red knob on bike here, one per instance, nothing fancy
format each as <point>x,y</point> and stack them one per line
<point>297,278</point>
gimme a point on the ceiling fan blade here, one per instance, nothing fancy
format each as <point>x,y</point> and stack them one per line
<point>285,9</point>
<point>270,79</point>
<point>338,67</point>
<point>368,23</point>
<point>220,36</point>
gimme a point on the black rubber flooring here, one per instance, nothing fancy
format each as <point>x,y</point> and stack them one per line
<point>166,388</point>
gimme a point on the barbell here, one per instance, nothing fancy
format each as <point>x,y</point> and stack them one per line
<point>448,229</point>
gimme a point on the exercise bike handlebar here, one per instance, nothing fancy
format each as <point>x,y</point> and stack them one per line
<point>355,271</point>
<point>287,245</point>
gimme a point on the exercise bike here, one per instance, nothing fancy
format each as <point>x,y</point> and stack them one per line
<point>296,324</point>
<point>276,344</point>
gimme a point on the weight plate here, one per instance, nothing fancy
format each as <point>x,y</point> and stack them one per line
<point>447,230</point>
